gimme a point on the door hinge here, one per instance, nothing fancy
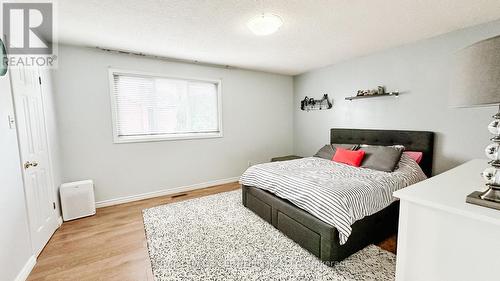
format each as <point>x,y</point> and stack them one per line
<point>54,205</point>
<point>40,80</point>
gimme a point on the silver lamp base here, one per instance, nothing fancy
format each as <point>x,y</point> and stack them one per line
<point>475,198</point>
<point>491,175</point>
<point>491,197</point>
<point>492,194</point>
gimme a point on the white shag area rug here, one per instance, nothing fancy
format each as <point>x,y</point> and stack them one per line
<point>217,238</point>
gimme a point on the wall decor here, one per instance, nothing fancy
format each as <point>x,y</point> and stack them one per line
<point>4,59</point>
<point>370,93</point>
<point>313,104</point>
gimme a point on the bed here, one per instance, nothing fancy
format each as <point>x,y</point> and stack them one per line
<point>322,239</point>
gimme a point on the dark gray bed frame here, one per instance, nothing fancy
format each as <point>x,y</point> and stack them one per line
<point>322,239</point>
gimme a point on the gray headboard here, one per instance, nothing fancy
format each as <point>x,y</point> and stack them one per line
<point>412,140</point>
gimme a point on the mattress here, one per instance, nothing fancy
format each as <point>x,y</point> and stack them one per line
<point>335,193</point>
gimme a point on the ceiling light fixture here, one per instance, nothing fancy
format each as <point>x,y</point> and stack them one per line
<point>265,24</point>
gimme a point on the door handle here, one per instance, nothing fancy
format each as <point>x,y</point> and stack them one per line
<point>30,164</point>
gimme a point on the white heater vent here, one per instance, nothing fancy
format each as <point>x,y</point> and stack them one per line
<point>77,199</point>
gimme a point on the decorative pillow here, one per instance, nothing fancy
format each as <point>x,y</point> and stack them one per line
<point>327,151</point>
<point>381,158</point>
<point>349,157</point>
<point>415,155</point>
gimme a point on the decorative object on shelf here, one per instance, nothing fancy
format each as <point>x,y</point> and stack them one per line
<point>312,104</point>
<point>380,91</point>
<point>477,83</point>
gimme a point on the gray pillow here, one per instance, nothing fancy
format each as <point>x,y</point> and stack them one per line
<point>381,158</point>
<point>327,151</point>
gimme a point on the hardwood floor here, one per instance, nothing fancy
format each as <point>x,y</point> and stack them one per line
<point>112,245</point>
<point>108,246</point>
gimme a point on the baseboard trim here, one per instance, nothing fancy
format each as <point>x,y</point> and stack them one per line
<point>59,221</point>
<point>26,270</point>
<point>132,198</point>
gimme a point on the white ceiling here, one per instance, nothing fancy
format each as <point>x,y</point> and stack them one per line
<point>315,33</point>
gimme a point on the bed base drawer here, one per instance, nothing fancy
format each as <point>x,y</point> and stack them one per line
<point>316,236</point>
<point>307,238</point>
<point>259,207</point>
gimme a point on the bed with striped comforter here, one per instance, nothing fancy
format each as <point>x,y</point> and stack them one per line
<point>335,193</point>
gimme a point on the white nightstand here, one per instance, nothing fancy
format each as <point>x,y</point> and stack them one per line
<point>443,238</point>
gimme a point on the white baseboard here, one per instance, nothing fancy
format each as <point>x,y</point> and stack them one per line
<point>59,221</point>
<point>126,199</point>
<point>27,268</point>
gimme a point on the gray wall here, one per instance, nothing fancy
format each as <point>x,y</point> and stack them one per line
<point>257,123</point>
<point>422,72</point>
<point>15,243</point>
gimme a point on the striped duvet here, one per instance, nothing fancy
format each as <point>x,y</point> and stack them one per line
<point>335,193</point>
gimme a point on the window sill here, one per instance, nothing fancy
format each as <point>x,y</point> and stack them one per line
<point>170,137</point>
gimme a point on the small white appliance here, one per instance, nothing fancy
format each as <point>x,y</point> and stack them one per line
<point>77,199</point>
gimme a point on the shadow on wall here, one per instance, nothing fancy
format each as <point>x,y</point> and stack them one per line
<point>445,161</point>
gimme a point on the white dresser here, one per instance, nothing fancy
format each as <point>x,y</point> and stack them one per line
<point>443,238</point>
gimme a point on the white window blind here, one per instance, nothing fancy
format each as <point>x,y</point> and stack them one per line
<point>153,108</point>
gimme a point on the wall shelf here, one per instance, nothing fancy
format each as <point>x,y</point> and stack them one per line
<point>393,94</point>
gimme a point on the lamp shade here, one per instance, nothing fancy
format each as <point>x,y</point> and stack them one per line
<point>476,80</point>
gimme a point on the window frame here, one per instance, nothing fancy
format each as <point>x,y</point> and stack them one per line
<point>161,137</point>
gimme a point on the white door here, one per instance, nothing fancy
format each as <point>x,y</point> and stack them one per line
<point>32,134</point>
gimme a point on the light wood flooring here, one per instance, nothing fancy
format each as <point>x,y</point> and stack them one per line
<point>112,245</point>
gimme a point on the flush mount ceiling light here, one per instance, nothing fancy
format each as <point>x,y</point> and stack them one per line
<point>265,24</point>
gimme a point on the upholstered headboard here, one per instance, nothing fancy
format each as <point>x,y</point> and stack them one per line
<point>412,140</point>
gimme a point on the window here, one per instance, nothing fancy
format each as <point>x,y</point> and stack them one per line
<point>149,107</point>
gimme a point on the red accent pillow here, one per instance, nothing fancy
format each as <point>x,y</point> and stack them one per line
<point>415,155</point>
<point>349,157</point>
